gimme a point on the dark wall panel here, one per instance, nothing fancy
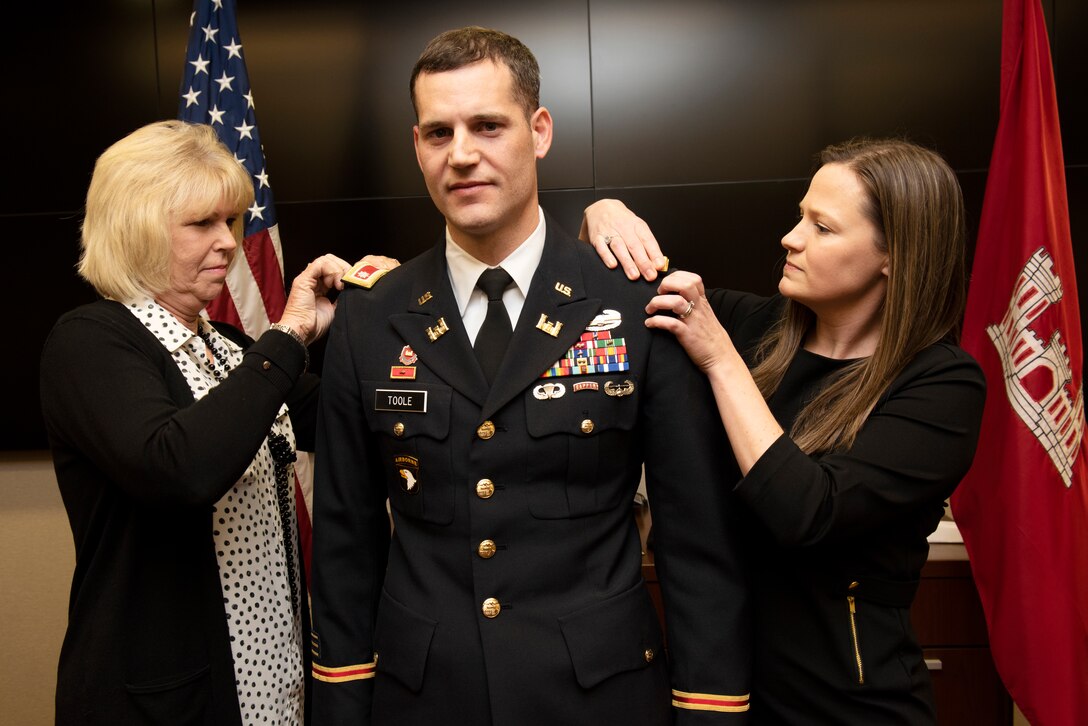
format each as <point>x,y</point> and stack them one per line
<point>737,90</point>
<point>79,77</point>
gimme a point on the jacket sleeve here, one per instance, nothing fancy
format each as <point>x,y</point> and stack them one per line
<point>107,397</point>
<point>910,453</point>
<point>704,584</point>
<point>301,401</point>
<point>351,535</point>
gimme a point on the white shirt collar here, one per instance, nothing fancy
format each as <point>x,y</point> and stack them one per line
<point>161,323</point>
<point>464,269</point>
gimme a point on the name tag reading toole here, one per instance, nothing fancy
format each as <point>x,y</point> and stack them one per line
<point>400,400</point>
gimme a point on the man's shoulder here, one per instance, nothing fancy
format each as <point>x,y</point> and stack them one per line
<point>394,284</point>
<point>601,281</point>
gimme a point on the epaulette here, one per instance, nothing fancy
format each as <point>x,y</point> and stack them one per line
<point>363,275</point>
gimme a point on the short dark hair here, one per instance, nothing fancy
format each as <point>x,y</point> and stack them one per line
<point>455,49</point>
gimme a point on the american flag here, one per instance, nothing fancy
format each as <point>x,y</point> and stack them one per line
<point>215,90</point>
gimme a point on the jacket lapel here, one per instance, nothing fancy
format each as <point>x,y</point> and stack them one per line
<point>556,296</point>
<point>433,327</point>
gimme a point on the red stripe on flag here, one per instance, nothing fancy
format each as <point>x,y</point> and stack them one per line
<point>222,308</point>
<point>260,253</point>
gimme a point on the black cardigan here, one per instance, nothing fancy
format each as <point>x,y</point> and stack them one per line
<point>140,466</point>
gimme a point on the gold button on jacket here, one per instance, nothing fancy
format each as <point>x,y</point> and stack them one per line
<point>491,608</point>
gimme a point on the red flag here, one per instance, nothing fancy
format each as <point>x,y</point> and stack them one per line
<point>1023,508</point>
<point>215,90</point>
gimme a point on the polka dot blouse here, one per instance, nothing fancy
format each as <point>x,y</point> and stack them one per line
<point>247,526</point>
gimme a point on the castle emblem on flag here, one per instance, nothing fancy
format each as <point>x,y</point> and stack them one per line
<point>1038,377</point>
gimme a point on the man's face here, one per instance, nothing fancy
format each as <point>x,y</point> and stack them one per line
<point>478,153</point>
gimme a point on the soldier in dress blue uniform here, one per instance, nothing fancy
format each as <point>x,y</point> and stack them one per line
<point>511,592</point>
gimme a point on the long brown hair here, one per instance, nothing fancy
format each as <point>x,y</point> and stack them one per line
<point>915,201</point>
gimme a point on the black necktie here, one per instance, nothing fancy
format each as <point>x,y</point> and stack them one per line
<point>495,333</point>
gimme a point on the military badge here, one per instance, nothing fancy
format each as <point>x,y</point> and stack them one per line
<point>408,470</point>
<point>402,373</point>
<point>436,332</point>
<point>586,386</point>
<point>549,390</point>
<point>363,275</point>
<point>595,352</point>
<point>619,389</point>
<point>549,327</point>
<point>408,356</point>
<point>605,320</point>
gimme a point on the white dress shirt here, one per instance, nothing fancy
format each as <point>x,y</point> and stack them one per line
<point>465,270</point>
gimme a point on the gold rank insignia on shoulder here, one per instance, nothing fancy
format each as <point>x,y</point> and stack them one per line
<point>363,275</point>
<point>620,389</point>
<point>563,289</point>
<point>436,332</point>
<point>548,327</point>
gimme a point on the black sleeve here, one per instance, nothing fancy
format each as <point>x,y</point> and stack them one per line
<point>911,452</point>
<point>703,578</point>
<point>301,401</point>
<point>106,396</point>
<point>351,535</point>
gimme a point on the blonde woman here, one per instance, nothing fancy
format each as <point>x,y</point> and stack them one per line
<point>172,439</point>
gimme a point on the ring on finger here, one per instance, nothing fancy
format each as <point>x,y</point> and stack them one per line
<point>608,238</point>
<point>687,310</point>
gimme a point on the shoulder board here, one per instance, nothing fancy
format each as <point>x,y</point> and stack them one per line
<point>363,275</point>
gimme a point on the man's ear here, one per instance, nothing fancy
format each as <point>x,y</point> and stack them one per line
<point>415,144</point>
<point>541,124</point>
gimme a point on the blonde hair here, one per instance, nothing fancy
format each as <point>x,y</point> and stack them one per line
<point>140,187</point>
<point>915,202</point>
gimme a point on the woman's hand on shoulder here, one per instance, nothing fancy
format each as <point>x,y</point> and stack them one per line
<point>308,310</point>
<point>681,308</point>
<point>621,237</point>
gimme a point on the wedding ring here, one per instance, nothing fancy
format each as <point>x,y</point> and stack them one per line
<point>609,237</point>
<point>687,311</point>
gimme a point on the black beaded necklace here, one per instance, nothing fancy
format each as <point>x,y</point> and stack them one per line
<point>217,360</point>
<point>282,458</point>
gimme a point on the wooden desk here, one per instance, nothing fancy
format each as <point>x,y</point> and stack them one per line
<point>947,617</point>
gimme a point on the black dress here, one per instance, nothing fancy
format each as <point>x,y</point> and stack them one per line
<point>838,540</point>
